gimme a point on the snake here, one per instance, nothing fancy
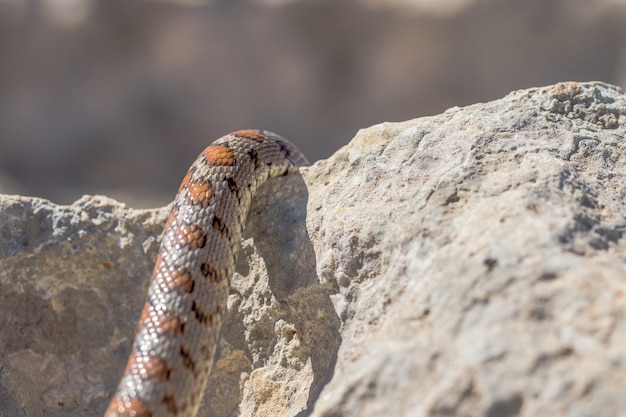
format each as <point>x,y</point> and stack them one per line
<point>176,338</point>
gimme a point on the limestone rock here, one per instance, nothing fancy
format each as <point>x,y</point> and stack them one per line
<point>480,259</point>
<point>471,263</point>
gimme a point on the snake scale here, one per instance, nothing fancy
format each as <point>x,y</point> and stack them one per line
<point>177,334</point>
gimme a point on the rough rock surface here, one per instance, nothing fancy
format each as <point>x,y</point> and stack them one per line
<point>471,263</point>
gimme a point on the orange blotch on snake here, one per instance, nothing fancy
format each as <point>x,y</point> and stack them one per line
<point>148,367</point>
<point>199,192</point>
<point>172,325</point>
<point>127,406</point>
<point>145,314</point>
<point>219,155</point>
<point>158,264</point>
<point>181,279</point>
<point>185,180</point>
<point>191,235</point>
<point>160,323</point>
<point>256,135</point>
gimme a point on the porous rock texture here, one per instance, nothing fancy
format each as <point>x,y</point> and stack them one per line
<point>471,263</point>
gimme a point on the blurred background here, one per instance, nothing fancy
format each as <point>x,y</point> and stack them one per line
<point>118,97</point>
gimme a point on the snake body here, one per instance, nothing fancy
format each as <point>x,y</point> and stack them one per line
<point>177,334</point>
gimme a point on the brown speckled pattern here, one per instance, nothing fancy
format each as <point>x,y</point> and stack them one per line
<point>178,330</point>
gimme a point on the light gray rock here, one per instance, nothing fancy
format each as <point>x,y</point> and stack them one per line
<point>471,263</point>
<point>70,278</point>
<point>480,259</point>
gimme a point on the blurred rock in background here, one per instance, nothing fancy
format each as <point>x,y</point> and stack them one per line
<point>118,97</point>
